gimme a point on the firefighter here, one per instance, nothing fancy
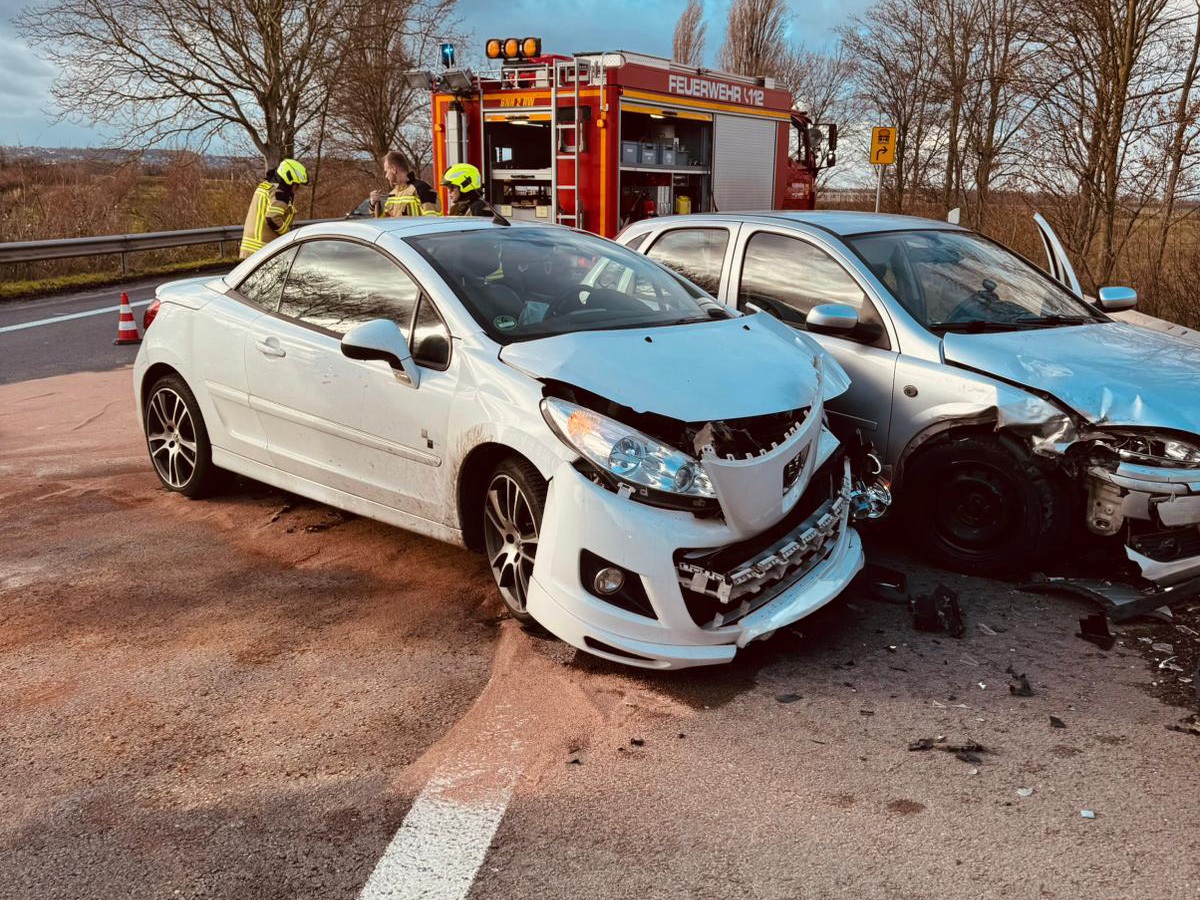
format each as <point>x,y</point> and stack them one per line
<point>466,191</point>
<point>409,196</point>
<point>271,211</point>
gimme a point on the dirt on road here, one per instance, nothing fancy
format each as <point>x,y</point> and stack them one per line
<point>242,696</point>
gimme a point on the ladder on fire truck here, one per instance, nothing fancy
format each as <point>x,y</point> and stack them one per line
<point>568,75</point>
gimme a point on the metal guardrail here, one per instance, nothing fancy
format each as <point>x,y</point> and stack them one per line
<point>114,244</point>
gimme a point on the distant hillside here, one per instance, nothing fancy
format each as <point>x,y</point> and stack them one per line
<point>154,158</point>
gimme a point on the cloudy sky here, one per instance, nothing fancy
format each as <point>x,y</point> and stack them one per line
<point>27,113</point>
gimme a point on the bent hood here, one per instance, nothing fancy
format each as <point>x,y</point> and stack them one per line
<point>724,369</point>
<point>1109,373</point>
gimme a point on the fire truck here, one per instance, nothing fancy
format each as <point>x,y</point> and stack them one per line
<point>598,140</point>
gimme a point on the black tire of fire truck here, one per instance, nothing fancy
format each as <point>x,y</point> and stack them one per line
<point>512,520</point>
<point>983,505</point>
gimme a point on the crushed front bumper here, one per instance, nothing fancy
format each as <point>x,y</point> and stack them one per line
<point>1161,506</point>
<point>709,591</point>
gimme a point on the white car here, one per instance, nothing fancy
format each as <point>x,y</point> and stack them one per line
<point>650,474</point>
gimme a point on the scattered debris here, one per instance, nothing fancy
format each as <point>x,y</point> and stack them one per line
<point>970,660</point>
<point>866,712</point>
<point>966,751</point>
<point>1021,688</point>
<point>1187,725</point>
<point>1056,722</point>
<point>986,630</point>
<point>637,742</point>
<point>888,585</point>
<point>286,508</point>
<point>788,698</point>
<point>1088,813</point>
<point>1163,648</point>
<point>1094,628</point>
<point>972,771</point>
<point>1024,792</point>
<point>1169,663</point>
<point>1120,601</point>
<point>938,611</point>
<point>574,761</point>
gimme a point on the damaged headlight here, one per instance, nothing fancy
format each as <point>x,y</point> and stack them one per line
<point>1155,449</point>
<point>625,453</point>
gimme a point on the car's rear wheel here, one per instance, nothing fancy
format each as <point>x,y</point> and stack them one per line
<point>512,522</point>
<point>983,505</point>
<point>177,439</point>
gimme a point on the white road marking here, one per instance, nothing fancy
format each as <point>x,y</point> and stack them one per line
<point>65,318</point>
<point>440,845</point>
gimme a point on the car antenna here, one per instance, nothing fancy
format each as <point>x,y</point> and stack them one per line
<point>497,219</point>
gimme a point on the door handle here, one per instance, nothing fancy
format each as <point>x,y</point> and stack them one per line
<point>270,347</point>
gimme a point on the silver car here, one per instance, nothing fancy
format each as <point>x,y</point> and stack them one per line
<point>1011,409</point>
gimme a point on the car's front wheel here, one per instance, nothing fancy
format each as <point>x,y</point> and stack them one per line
<point>177,439</point>
<point>982,505</point>
<point>512,522</point>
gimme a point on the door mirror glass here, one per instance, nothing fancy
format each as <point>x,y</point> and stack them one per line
<point>831,318</point>
<point>381,339</point>
<point>1115,299</point>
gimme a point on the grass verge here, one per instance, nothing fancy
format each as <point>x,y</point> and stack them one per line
<point>41,287</point>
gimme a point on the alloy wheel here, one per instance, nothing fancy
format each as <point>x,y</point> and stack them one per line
<point>171,436</point>
<point>510,534</point>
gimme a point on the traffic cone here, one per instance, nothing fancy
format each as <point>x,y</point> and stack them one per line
<point>127,332</point>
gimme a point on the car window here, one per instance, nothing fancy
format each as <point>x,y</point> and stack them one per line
<point>336,285</point>
<point>634,242</point>
<point>956,278</point>
<point>263,285</point>
<point>787,277</point>
<point>695,253</point>
<point>430,341</point>
<point>522,283</point>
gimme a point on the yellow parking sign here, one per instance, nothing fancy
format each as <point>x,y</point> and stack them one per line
<point>883,146</point>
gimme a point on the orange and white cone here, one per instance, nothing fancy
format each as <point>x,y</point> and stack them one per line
<point>127,332</point>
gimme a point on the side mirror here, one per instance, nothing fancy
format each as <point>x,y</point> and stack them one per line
<point>1115,299</point>
<point>382,339</point>
<point>831,318</point>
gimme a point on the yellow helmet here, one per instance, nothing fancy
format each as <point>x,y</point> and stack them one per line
<point>291,172</point>
<point>463,176</point>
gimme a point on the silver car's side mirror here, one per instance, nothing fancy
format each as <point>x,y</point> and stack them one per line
<point>1115,299</point>
<point>382,339</point>
<point>832,318</point>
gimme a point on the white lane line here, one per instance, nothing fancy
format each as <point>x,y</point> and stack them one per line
<point>65,318</point>
<point>440,845</point>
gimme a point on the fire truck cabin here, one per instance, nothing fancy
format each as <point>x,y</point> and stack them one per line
<point>598,140</point>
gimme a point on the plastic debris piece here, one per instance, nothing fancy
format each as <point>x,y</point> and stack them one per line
<point>938,611</point>
<point>1021,688</point>
<point>986,630</point>
<point>1094,629</point>
<point>637,742</point>
<point>1120,601</point>
<point>972,771</point>
<point>788,698</point>
<point>888,585</point>
<point>1163,648</point>
<point>1088,813</point>
<point>1056,722</point>
<point>1187,725</point>
<point>1024,792</point>
<point>866,712</point>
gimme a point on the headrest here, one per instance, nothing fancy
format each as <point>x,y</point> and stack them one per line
<point>480,258</point>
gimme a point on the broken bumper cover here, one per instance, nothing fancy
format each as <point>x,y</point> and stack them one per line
<point>782,575</point>
<point>1162,506</point>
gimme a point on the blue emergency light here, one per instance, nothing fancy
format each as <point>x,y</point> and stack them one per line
<point>448,55</point>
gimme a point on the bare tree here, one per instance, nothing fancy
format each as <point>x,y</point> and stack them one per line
<point>190,70</point>
<point>754,37</point>
<point>688,46</point>
<point>894,45</point>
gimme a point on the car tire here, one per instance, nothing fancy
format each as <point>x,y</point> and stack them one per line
<point>177,439</point>
<point>512,520</point>
<point>984,506</point>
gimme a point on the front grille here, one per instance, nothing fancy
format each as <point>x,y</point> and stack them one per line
<point>748,437</point>
<point>724,585</point>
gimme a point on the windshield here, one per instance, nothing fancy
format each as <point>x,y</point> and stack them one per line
<point>521,283</point>
<point>957,280</point>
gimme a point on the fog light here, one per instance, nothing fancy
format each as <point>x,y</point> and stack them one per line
<point>608,580</point>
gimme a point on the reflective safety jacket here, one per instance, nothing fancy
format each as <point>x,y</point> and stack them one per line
<point>270,215</point>
<point>413,199</point>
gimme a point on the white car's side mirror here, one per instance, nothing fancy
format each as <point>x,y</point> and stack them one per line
<point>1115,299</point>
<point>382,339</point>
<point>831,318</point>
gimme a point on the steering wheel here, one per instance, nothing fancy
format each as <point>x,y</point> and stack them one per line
<point>568,301</point>
<point>986,304</point>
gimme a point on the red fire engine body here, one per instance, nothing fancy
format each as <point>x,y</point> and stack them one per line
<point>599,140</point>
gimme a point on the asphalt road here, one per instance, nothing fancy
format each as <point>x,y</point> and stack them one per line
<point>257,696</point>
<point>36,341</point>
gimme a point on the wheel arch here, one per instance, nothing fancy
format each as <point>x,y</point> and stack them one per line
<point>472,483</point>
<point>152,374</point>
